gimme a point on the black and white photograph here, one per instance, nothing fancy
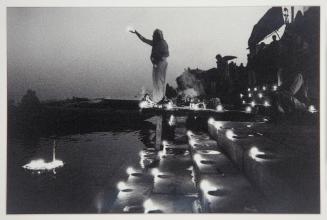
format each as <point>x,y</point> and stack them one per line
<point>125,110</point>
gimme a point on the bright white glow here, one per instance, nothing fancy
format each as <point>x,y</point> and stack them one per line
<point>141,154</point>
<point>129,28</point>
<point>189,133</point>
<point>40,164</point>
<point>243,102</point>
<point>148,205</point>
<point>264,88</point>
<point>172,120</point>
<point>169,106</point>
<point>155,172</point>
<point>230,134</point>
<point>130,170</point>
<point>275,87</point>
<point>260,95</point>
<point>197,158</point>
<point>197,106</point>
<point>211,121</point>
<point>249,89</point>
<point>249,126</point>
<point>161,153</point>
<point>312,109</point>
<point>121,185</point>
<point>241,95</point>
<point>218,125</point>
<point>266,103</point>
<point>220,108</point>
<point>165,143</point>
<point>250,95</point>
<point>144,104</point>
<point>206,186</point>
<point>248,109</point>
<point>255,89</point>
<point>254,152</point>
<point>192,142</point>
<point>253,103</point>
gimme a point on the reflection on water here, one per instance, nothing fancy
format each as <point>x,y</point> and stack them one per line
<point>93,164</point>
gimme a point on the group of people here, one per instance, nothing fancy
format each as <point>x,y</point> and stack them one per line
<point>291,96</point>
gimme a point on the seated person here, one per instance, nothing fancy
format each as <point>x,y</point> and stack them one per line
<point>292,94</point>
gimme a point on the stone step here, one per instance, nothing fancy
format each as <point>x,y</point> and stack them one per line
<point>159,203</point>
<point>177,183</point>
<point>275,164</point>
<point>228,194</point>
<point>213,162</point>
<point>133,193</point>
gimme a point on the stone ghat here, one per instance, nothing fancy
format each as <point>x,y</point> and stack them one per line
<point>189,174</point>
<point>280,159</point>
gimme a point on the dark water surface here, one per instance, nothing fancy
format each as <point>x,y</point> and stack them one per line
<point>93,164</point>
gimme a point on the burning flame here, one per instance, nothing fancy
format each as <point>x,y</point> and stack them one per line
<point>266,104</point>
<point>220,108</point>
<point>248,109</point>
<point>41,165</point>
<point>312,109</point>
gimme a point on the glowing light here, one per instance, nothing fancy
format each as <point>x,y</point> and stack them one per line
<point>248,109</point>
<point>169,106</point>
<point>130,170</point>
<point>241,95</point>
<point>260,95</point>
<point>249,89</point>
<point>40,164</point>
<point>211,121</point>
<point>249,95</point>
<point>253,103</point>
<point>312,109</point>
<point>266,103</point>
<point>255,89</point>
<point>148,205</point>
<point>197,157</point>
<point>155,172</point>
<point>206,186</point>
<point>264,88</point>
<point>141,154</point>
<point>230,134</point>
<point>165,143</point>
<point>275,87</point>
<point>219,125</point>
<point>197,106</point>
<point>243,102</point>
<point>121,186</point>
<point>189,133</point>
<point>254,152</point>
<point>161,153</point>
<point>172,120</point>
<point>192,142</point>
<point>129,28</point>
<point>220,108</point>
<point>144,104</point>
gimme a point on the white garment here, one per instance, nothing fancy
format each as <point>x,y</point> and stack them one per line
<point>159,80</point>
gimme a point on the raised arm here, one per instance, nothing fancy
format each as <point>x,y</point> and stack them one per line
<point>147,41</point>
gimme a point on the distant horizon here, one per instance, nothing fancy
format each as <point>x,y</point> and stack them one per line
<point>87,52</point>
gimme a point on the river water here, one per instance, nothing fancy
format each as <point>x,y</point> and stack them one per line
<point>94,163</point>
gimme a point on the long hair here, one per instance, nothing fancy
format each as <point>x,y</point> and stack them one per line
<point>159,48</point>
<point>157,36</point>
